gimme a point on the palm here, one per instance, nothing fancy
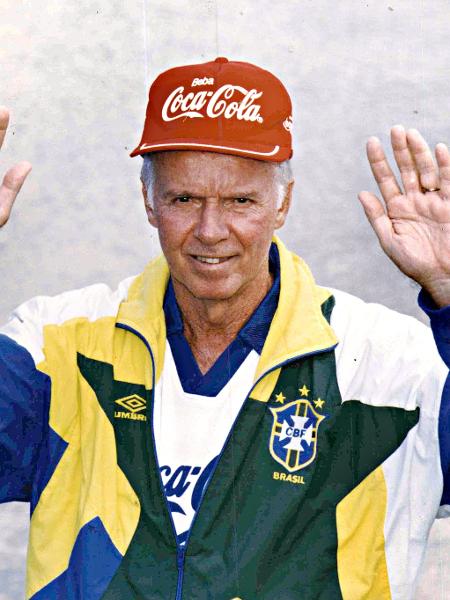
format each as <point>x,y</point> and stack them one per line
<point>413,225</point>
<point>419,242</point>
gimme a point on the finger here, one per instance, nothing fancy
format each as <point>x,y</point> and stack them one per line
<point>404,160</point>
<point>381,170</point>
<point>12,182</point>
<point>443,161</point>
<point>421,153</point>
<point>4,120</point>
<point>377,217</point>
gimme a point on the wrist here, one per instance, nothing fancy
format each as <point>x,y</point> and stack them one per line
<point>439,292</point>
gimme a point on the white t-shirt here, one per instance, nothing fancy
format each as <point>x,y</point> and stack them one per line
<point>190,432</point>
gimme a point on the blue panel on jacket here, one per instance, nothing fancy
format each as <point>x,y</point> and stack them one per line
<point>24,407</point>
<point>92,565</point>
<point>444,440</point>
<point>50,454</point>
<point>440,325</point>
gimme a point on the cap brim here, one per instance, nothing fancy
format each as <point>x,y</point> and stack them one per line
<point>256,151</point>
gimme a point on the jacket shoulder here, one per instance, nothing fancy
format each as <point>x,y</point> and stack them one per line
<point>385,355</point>
<point>353,312</point>
<point>26,323</point>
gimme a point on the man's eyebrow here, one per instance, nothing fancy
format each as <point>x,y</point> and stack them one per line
<point>244,194</point>
<point>173,193</point>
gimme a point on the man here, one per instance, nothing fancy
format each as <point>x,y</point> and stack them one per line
<point>220,426</point>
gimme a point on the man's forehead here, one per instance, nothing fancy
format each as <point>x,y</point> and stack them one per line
<point>203,172</point>
<point>185,165</point>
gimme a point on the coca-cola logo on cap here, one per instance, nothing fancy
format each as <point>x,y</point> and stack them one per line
<point>229,101</point>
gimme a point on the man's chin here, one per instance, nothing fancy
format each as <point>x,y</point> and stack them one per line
<point>211,290</point>
<point>213,293</point>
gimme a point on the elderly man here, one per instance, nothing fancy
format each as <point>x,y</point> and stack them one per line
<point>220,426</point>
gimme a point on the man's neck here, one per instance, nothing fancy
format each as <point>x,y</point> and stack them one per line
<point>211,325</point>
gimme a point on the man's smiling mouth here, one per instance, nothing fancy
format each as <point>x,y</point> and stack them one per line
<point>212,260</point>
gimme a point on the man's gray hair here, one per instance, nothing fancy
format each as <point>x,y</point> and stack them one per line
<point>284,177</point>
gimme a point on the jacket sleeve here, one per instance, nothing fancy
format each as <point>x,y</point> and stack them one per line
<point>24,405</point>
<point>29,447</point>
<point>385,358</point>
<point>24,401</point>
<point>440,326</point>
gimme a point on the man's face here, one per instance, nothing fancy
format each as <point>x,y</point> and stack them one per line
<point>215,216</point>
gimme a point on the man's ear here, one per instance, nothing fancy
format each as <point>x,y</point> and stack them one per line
<point>283,209</point>
<point>149,208</point>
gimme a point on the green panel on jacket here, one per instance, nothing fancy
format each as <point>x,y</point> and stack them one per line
<point>150,561</point>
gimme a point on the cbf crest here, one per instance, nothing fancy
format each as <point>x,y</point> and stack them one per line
<point>293,440</point>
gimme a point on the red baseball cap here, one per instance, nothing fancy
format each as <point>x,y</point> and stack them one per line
<point>219,106</point>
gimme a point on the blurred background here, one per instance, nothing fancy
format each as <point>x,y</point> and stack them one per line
<point>75,75</point>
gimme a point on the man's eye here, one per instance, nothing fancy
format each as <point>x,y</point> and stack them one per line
<point>182,198</point>
<point>242,200</point>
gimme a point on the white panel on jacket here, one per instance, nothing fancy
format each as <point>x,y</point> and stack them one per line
<point>26,323</point>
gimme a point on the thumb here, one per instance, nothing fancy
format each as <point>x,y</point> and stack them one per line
<point>377,217</point>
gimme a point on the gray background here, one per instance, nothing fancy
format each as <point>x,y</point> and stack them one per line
<point>75,75</point>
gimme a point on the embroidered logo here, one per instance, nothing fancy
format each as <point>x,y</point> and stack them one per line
<point>287,123</point>
<point>133,404</point>
<point>293,440</point>
<point>202,81</point>
<point>231,101</point>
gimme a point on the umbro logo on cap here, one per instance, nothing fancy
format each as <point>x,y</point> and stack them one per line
<point>219,106</point>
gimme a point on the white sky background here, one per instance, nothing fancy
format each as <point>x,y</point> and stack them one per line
<point>75,75</point>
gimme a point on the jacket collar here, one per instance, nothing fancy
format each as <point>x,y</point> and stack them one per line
<point>298,326</point>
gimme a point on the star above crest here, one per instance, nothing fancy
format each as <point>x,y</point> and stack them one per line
<point>280,398</point>
<point>304,391</point>
<point>319,402</point>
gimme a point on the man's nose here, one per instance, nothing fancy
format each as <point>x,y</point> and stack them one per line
<point>212,225</point>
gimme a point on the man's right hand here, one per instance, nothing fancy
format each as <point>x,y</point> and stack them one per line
<point>14,177</point>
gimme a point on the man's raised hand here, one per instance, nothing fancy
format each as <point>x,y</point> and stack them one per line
<point>413,224</point>
<point>14,177</point>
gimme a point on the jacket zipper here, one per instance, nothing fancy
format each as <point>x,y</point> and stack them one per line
<point>181,549</point>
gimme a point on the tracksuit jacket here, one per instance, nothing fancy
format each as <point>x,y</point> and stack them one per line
<point>326,487</point>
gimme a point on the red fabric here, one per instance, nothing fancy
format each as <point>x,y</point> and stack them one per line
<point>219,106</point>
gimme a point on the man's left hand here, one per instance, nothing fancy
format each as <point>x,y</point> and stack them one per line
<point>413,224</point>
